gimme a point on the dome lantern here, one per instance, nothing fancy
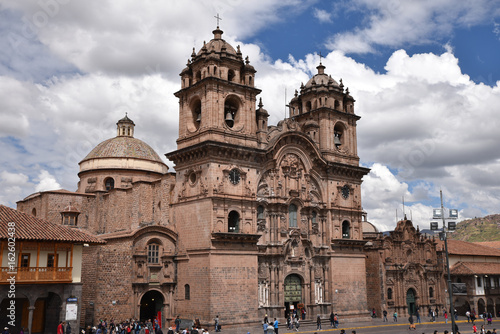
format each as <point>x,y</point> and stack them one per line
<point>125,127</point>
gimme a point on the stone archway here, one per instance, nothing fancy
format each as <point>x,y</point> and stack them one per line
<point>151,306</point>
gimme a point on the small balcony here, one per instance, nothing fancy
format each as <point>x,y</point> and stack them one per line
<point>37,275</point>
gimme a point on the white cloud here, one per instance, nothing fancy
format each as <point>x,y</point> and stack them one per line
<point>396,23</point>
<point>46,181</point>
<point>425,125</point>
<point>322,15</point>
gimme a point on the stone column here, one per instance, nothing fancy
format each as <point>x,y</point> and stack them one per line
<point>30,318</point>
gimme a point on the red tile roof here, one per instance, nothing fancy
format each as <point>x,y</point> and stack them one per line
<point>494,244</point>
<point>475,268</point>
<point>28,227</point>
<point>457,247</point>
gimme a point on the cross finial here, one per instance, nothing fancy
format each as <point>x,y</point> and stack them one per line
<point>218,19</point>
<point>320,56</point>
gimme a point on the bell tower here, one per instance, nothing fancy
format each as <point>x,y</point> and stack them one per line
<point>217,96</point>
<point>326,111</point>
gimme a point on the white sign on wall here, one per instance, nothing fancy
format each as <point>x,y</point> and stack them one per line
<point>71,311</point>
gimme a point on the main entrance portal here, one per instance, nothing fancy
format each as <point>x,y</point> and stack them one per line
<point>410,301</point>
<point>293,293</point>
<point>151,306</point>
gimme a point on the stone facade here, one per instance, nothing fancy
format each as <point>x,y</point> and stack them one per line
<point>404,272</point>
<point>256,218</point>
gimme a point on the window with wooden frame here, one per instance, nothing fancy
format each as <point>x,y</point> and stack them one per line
<point>153,253</point>
<point>24,260</point>
<point>52,260</point>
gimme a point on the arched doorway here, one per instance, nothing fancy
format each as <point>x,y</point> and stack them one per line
<point>293,293</point>
<point>481,307</point>
<point>151,306</point>
<point>410,301</point>
<point>490,307</point>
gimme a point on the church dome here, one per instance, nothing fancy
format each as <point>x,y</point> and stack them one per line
<point>321,79</point>
<point>123,152</point>
<point>123,147</point>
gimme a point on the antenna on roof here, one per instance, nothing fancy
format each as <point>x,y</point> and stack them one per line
<point>285,102</point>
<point>404,213</point>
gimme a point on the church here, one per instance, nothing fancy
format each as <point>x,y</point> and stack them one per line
<point>256,219</point>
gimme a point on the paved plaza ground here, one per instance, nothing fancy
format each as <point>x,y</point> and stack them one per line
<point>373,326</point>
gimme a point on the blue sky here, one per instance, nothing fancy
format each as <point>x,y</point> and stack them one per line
<point>425,76</point>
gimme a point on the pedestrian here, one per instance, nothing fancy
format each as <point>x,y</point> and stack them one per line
<point>303,313</point>
<point>474,328</point>
<point>374,315</point>
<point>177,324</point>
<point>336,320</point>
<point>353,332</point>
<point>266,319</point>
<point>318,323</point>
<point>467,314</point>
<point>455,330</point>
<point>60,327</point>
<point>417,314</point>
<point>275,326</point>
<point>384,313</point>
<point>265,326</point>
<point>412,325</point>
<point>395,317</point>
<point>332,321</point>
<point>489,318</point>
<point>217,325</point>
<point>483,331</point>
<point>445,317</point>
<point>297,324</point>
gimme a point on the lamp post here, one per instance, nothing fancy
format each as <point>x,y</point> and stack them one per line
<point>439,213</point>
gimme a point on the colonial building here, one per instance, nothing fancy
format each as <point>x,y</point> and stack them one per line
<point>45,260</point>
<point>255,220</point>
<point>475,273</point>
<point>404,271</point>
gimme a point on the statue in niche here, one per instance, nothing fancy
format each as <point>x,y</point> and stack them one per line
<point>261,225</point>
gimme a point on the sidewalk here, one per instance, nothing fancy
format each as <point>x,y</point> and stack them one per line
<point>370,326</point>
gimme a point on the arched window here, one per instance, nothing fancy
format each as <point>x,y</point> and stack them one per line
<point>292,215</point>
<point>198,76</point>
<point>109,183</point>
<point>230,75</point>
<point>431,292</point>
<point>187,292</point>
<point>389,294</point>
<point>308,106</point>
<point>231,107</point>
<point>153,253</point>
<point>233,222</point>
<point>260,212</point>
<point>346,233</point>
<point>314,214</point>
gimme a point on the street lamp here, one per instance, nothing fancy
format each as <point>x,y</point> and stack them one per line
<point>439,214</point>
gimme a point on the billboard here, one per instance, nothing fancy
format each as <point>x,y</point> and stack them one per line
<point>459,288</point>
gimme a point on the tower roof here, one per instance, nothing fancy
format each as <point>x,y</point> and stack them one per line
<point>321,78</point>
